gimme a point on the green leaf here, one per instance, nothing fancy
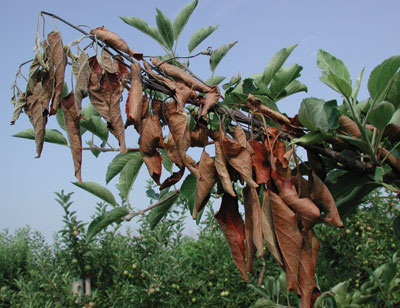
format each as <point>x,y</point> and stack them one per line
<point>292,88</point>
<point>233,82</point>
<point>162,209</point>
<point>118,163</point>
<point>310,138</point>
<point>249,86</point>
<point>60,118</point>
<point>129,173</point>
<point>219,54</point>
<point>328,63</point>
<point>393,95</point>
<point>337,83</point>
<point>188,190</point>
<point>89,111</point>
<point>51,136</point>
<point>283,77</point>
<point>276,63</point>
<point>143,26</point>
<point>96,126</point>
<point>182,18</point>
<point>316,114</point>
<point>381,115</point>
<point>215,80</point>
<point>381,78</point>
<point>165,29</point>
<point>199,36</point>
<point>396,117</point>
<point>166,161</point>
<point>97,190</point>
<point>356,88</point>
<point>102,222</point>
<point>396,227</point>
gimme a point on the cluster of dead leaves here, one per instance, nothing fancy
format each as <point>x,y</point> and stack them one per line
<point>280,210</point>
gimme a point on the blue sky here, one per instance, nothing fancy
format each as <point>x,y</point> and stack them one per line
<point>362,33</point>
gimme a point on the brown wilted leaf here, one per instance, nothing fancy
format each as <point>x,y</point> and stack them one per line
<point>268,229</point>
<point>322,197</point>
<point>240,136</point>
<point>105,92</point>
<point>179,74</point>
<point>178,126</point>
<point>134,101</point>
<point>199,137</point>
<point>260,160</point>
<point>151,139</point>
<point>172,152</point>
<point>19,104</point>
<point>115,41</point>
<point>222,170</point>
<point>304,207</point>
<point>173,179</point>
<point>210,100</point>
<point>232,226</point>
<point>107,63</point>
<point>253,226</point>
<point>72,124</point>
<point>289,239</point>
<point>82,80</point>
<point>256,105</point>
<point>238,157</point>
<point>205,183</point>
<point>307,266</point>
<point>59,61</point>
<point>349,127</point>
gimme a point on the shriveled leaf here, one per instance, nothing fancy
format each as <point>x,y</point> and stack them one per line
<point>210,100</point>
<point>72,124</point>
<point>174,178</point>
<point>289,239</point>
<point>219,54</point>
<point>349,127</point>
<point>142,26</point>
<point>129,173</point>
<point>119,162</point>
<point>115,41</point>
<point>238,157</point>
<point>232,226</point>
<point>205,183</point>
<point>256,104</point>
<point>382,77</point>
<point>59,61</point>
<point>182,18</point>
<point>260,160</point>
<point>165,29</point>
<point>222,169</point>
<point>19,104</point>
<point>199,137</point>
<point>199,36</point>
<point>100,223</point>
<point>98,190</point>
<point>82,80</point>
<point>134,101</point>
<point>268,228</point>
<point>276,63</point>
<point>51,136</point>
<point>163,208</point>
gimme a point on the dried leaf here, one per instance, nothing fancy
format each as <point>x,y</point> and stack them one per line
<point>222,170</point>
<point>134,101</point>
<point>240,136</point>
<point>252,221</point>
<point>307,266</point>
<point>72,124</point>
<point>238,157</point>
<point>322,197</point>
<point>115,41</point>
<point>304,207</point>
<point>268,228</point>
<point>289,239</point>
<point>59,61</point>
<point>82,80</point>
<point>151,139</point>
<point>179,74</point>
<point>349,127</point>
<point>172,152</point>
<point>19,104</point>
<point>205,183</point>
<point>178,126</point>
<point>256,105</point>
<point>260,160</point>
<point>173,179</point>
<point>232,226</point>
<point>199,137</point>
<point>105,92</point>
<point>107,63</point>
<point>210,100</point>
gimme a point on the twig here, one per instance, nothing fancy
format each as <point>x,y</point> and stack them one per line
<point>95,148</point>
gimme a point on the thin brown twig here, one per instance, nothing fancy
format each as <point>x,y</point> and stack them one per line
<point>95,148</point>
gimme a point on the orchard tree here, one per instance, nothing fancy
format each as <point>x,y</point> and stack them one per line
<point>351,146</point>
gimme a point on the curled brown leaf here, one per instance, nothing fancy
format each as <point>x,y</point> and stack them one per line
<point>255,104</point>
<point>210,100</point>
<point>349,127</point>
<point>260,160</point>
<point>222,170</point>
<point>199,137</point>
<point>134,101</point>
